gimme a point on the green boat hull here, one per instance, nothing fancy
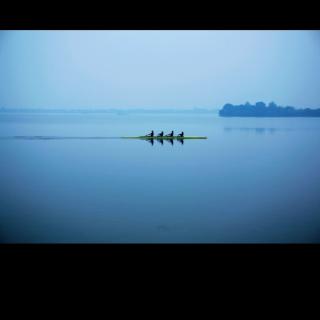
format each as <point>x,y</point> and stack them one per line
<point>164,138</point>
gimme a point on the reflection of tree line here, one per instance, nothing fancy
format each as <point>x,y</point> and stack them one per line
<point>162,140</point>
<point>258,130</point>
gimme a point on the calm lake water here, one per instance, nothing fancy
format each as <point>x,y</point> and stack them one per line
<point>252,180</point>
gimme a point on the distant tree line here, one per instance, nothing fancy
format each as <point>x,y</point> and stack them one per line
<point>260,109</point>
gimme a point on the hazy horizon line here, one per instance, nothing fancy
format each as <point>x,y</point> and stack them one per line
<point>107,109</point>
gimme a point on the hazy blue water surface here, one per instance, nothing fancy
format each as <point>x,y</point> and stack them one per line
<point>253,180</point>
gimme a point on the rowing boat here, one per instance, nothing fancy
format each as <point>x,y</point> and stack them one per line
<point>164,138</point>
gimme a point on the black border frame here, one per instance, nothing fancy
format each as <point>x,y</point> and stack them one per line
<point>220,16</point>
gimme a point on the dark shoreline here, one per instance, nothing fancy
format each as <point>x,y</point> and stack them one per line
<point>261,110</point>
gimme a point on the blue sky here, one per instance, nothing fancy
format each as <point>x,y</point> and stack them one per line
<point>155,69</point>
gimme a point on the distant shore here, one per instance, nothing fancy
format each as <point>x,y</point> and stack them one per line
<point>109,110</point>
<point>260,109</point>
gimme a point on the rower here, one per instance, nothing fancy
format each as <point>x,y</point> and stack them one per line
<point>170,134</point>
<point>160,134</point>
<point>150,134</point>
<point>181,134</point>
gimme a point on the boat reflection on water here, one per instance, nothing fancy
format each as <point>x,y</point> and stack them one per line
<point>181,141</point>
<point>150,141</point>
<point>170,141</point>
